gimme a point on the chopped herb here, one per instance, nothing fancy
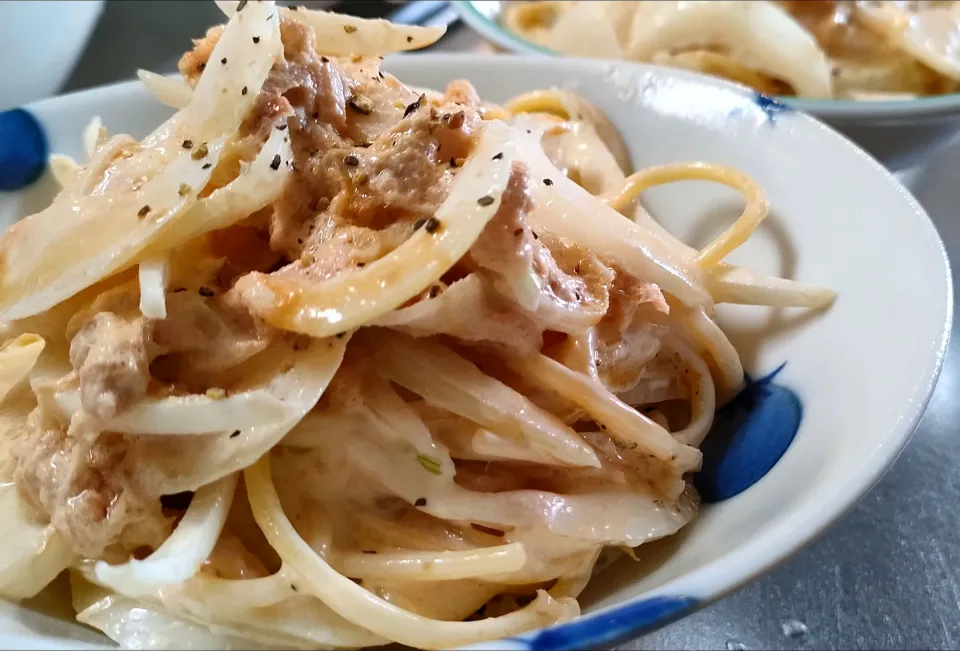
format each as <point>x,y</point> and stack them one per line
<point>361,178</point>
<point>421,501</point>
<point>485,201</point>
<point>349,29</point>
<point>547,182</point>
<point>456,120</point>
<point>256,39</point>
<point>184,190</point>
<point>187,144</point>
<point>207,166</point>
<point>243,3</point>
<point>235,434</point>
<point>355,58</point>
<point>429,463</point>
<point>143,212</point>
<point>205,291</point>
<point>458,162</point>
<point>412,108</point>
<point>351,160</point>
<point>361,104</point>
<point>498,156</point>
<point>409,39</point>
<point>200,152</point>
<point>223,60</point>
<point>275,163</point>
<point>432,225</point>
<point>307,259</point>
<point>417,225</point>
<point>216,393</point>
<point>243,91</point>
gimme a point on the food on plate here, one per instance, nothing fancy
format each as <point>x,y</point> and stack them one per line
<point>324,361</point>
<point>868,49</point>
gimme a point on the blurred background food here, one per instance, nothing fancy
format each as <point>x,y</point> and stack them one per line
<point>809,48</point>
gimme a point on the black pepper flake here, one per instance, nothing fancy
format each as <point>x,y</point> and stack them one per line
<point>202,67</point>
<point>361,265</point>
<point>223,60</point>
<point>340,335</point>
<point>381,75</point>
<point>547,182</point>
<point>409,39</point>
<point>243,3</point>
<point>518,232</point>
<point>349,29</point>
<point>361,105</point>
<point>351,160</point>
<point>576,269</point>
<point>434,291</point>
<point>414,106</point>
<point>187,144</point>
<point>143,211</point>
<point>235,434</point>
<point>364,144</point>
<point>535,236</point>
<point>498,156</point>
<point>294,588</point>
<point>456,120</point>
<point>485,201</point>
<point>206,292</point>
<point>243,91</point>
<point>421,501</point>
<point>324,60</point>
<point>417,225</point>
<point>315,115</point>
<point>256,39</point>
<point>282,127</point>
<point>432,225</point>
<point>369,551</point>
<point>207,166</point>
<point>275,163</point>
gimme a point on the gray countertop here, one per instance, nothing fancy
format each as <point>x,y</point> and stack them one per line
<point>886,577</point>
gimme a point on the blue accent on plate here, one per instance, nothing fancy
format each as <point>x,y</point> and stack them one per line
<point>748,437</point>
<point>608,628</point>
<point>770,105</point>
<point>23,150</point>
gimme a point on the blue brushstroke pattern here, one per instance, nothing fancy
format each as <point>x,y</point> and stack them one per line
<point>607,629</point>
<point>748,437</point>
<point>23,150</point>
<point>770,105</point>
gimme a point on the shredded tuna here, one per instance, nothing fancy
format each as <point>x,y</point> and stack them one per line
<point>84,481</point>
<point>192,63</point>
<point>111,356</point>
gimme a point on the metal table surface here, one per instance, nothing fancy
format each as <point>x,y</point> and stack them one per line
<point>887,576</point>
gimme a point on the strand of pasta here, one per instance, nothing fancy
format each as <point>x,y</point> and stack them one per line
<point>753,213</point>
<point>357,605</point>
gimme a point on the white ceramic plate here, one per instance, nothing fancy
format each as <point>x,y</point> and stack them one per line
<point>853,381</point>
<point>898,132</point>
